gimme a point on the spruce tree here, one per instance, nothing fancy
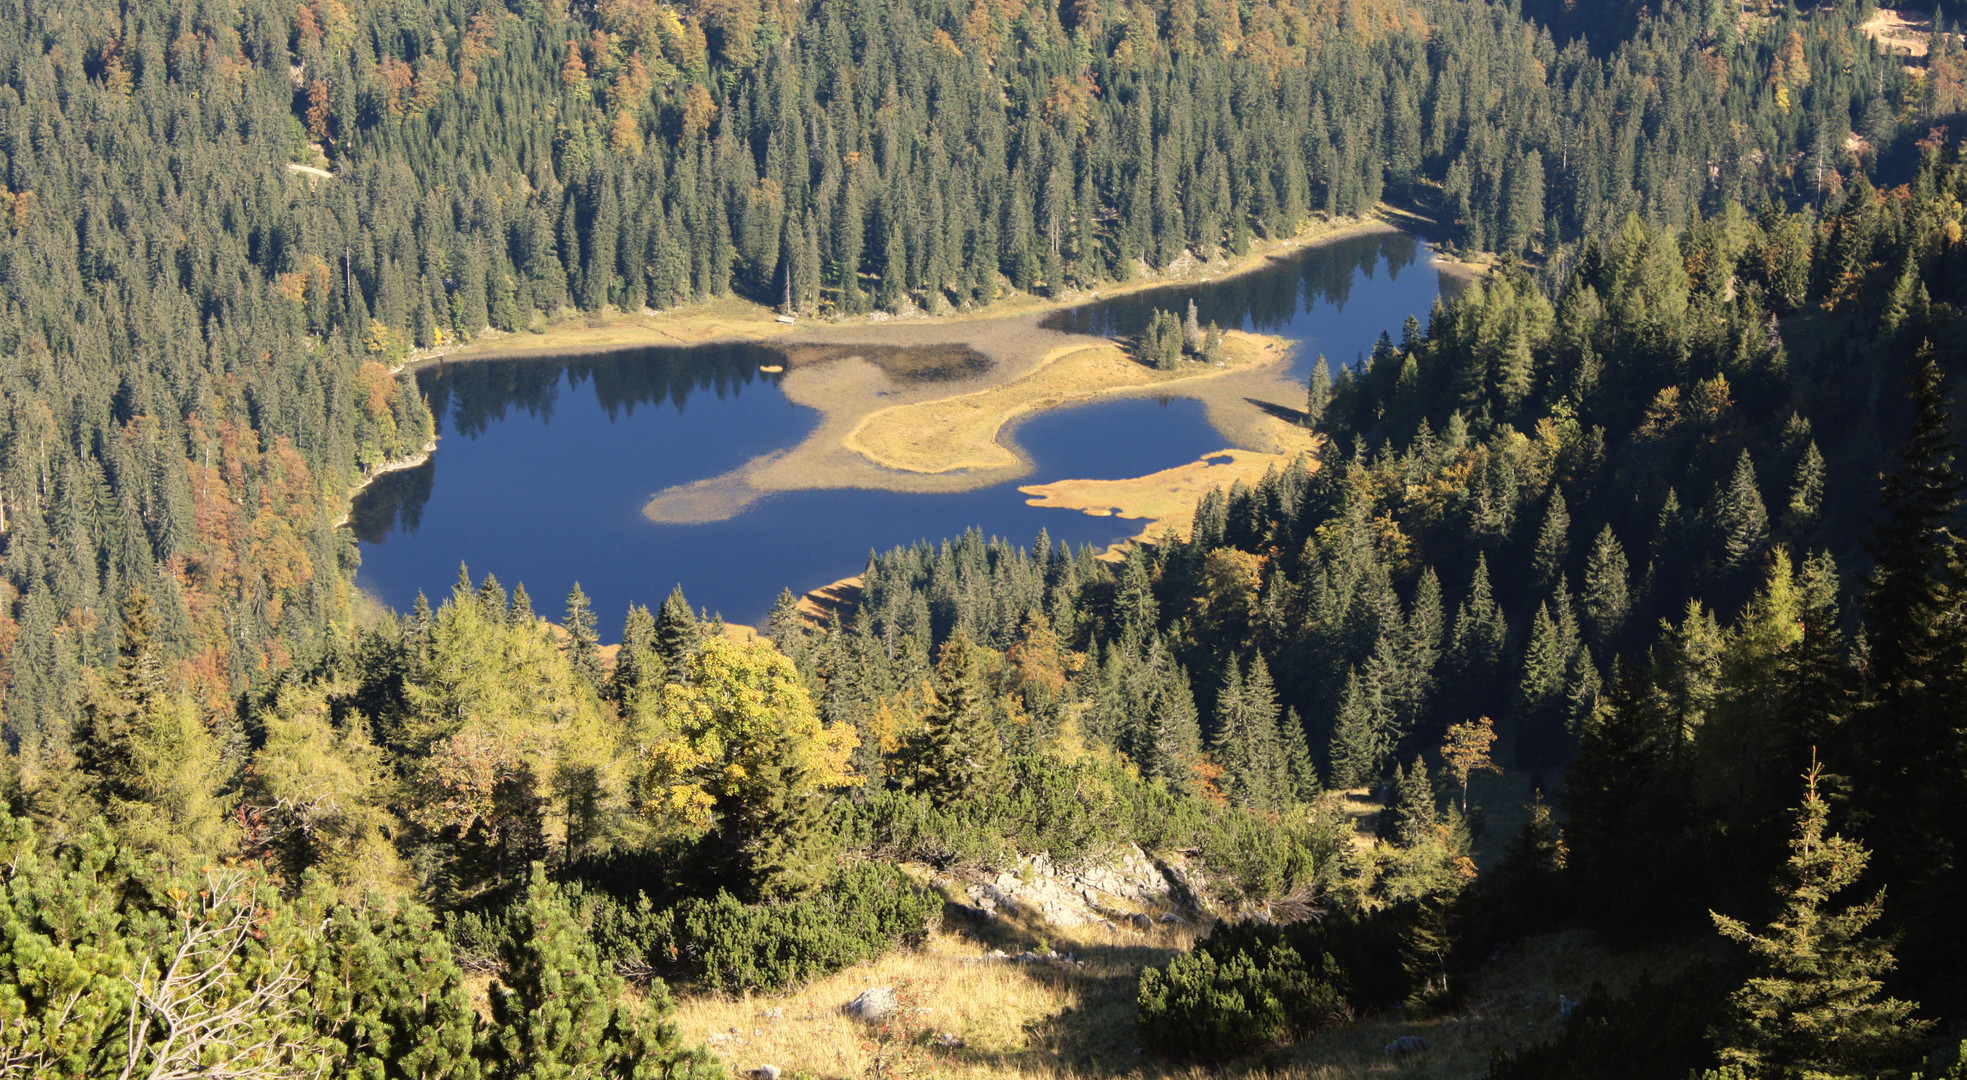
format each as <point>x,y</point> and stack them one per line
<point>1540,701</point>
<point>1811,1009</point>
<point>1175,737</point>
<point>1356,752</point>
<point>1479,641</point>
<point>120,705</point>
<point>958,754</point>
<point>636,659</point>
<point>1806,494</point>
<point>1607,599</point>
<point>1412,813</point>
<point>1553,544</point>
<point>1319,397</point>
<point>1910,742</point>
<point>583,644</point>
<point>784,841</point>
<point>1246,740</point>
<point>786,625</point>
<point>1300,774</point>
<point>1743,521</point>
<point>678,636</point>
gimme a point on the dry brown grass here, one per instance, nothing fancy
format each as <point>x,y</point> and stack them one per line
<point>1075,1021</point>
<point>1050,1019</point>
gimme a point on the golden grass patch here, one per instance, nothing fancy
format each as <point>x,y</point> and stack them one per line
<point>961,432</point>
<point>1051,1019</point>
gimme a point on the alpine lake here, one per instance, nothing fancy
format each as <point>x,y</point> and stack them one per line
<point>543,465</point>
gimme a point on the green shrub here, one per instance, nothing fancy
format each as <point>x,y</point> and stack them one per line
<point>723,942</point>
<point>1249,985</point>
<point>1204,1006</point>
<point>727,945</point>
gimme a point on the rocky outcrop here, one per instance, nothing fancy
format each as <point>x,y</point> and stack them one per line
<point>1128,887</point>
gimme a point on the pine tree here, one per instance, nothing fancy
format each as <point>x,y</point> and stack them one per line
<point>636,660</point>
<point>1607,600</point>
<point>1412,814</point>
<point>1553,544</point>
<point>1743,521</point>
<point>1811,1009</point>
<point>1540,702</point>
<point>678,635</point>
<point>388,987</point>
<point>1299,772</point>
<point>958,754</point>
<point>583,644</point>
<point>555,1014</point>
<point>1806,494</point>
<point>1320,395</point>
<point>1356,750</point>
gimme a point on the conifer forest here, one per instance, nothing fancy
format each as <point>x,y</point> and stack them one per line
<point>1617,622</point>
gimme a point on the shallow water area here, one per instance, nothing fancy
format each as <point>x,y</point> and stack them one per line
<point>1334,299</point>
<point>544,464</point>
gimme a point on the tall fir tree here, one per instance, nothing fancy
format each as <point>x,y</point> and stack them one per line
<point>583,643</point>
<point>1607,597</point>
<point>678,635</point>
<point>1553,544</point>
<point>1811,1009</point>
<point>958,753</point>
<point>1910,739</point>
<point>1741,517</point>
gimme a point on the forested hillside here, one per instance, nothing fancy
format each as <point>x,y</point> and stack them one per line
<point>1614,519</point>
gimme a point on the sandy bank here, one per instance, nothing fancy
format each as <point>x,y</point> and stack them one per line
<point>1165,501</point>
<point>733,318</point>
<point>960,433</point>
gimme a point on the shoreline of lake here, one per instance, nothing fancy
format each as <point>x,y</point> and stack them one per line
<point>734,319</point>
<point>966,407</point>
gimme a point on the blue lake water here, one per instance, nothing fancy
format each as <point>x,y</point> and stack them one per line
<point>544,465</point>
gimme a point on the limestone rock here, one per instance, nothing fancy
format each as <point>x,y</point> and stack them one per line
<point>873,1005</point>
